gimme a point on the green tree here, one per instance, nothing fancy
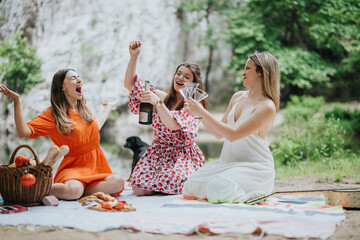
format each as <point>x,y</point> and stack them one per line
<point>20,67</point>
<point>317,42</point>
<point>205,10</point>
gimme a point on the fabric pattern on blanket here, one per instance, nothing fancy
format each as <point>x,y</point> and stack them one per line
<point>170,214</point>
<point>293,216</point>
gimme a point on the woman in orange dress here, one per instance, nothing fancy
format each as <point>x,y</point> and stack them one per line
<point>84,170</point>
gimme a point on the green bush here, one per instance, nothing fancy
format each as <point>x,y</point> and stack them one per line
<point>311,140</point>
<point>303,107</point>
<point>21,68</point>
<point>350,120</point>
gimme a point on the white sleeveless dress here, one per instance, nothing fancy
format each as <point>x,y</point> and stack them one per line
<point>244,170</point>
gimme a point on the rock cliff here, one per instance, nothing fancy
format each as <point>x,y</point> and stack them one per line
<point>92,37</point>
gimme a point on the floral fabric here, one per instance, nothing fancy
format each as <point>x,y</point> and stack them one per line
<point>173,154</point>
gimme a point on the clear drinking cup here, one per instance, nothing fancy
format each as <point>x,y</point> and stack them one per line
<point>200,95</point>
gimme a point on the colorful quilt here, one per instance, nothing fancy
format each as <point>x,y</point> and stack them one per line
<point>290,216</point>
<point>293,216</point>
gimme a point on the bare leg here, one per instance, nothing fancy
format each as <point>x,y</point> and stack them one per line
<point>69,190</point>
<point>110,185</point>
<point>142,192</point>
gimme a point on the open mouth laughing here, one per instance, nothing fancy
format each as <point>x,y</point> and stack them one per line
<point>181,84</point>
<point>78,90</point>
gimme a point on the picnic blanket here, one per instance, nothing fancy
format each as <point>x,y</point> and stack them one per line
<point>290,216</point>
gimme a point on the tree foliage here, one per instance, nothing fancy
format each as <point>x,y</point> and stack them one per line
<point>205,10</point>
<point>317,42</point>
<point>20,67</point>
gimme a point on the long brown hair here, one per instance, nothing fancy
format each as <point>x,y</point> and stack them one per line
<point>170,98</point>
<point>60,105</point>
<point>268,66</point>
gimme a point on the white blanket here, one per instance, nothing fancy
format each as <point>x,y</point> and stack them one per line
<point>169,214</point>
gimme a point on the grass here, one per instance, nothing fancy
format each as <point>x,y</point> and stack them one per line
<point>330,169</point>
<point>334,169</point>
<point>314,140</point>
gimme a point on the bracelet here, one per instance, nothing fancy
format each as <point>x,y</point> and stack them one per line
<point>158,103</point>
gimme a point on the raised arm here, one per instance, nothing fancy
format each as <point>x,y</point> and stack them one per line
<point>214,133</point>
<point>101,119</point>
<point>209,128</point>
<point>134,50</point>
<point>196,108</point>
<point>263,114</point>
<point>22,128</point>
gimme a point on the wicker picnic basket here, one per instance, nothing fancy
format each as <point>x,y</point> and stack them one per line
<point>11,189</point>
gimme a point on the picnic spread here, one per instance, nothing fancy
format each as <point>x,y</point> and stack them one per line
<point>104,202</point>
<point>293,215</point>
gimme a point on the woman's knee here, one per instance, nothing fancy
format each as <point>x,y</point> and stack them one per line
<point>116,181</point>
<point>194,189</point>
<point>188,188</point>
<point>73,190</point>
<point>222,190</point>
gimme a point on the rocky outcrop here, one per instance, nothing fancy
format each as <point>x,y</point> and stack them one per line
<point>92,37</point>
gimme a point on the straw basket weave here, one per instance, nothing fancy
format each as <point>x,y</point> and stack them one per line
<point>11,189</point>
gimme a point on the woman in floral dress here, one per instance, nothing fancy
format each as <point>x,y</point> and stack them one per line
<point>173,154</point>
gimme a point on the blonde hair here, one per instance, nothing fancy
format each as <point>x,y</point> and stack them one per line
<point>60,105</point>
<point>268,66</point>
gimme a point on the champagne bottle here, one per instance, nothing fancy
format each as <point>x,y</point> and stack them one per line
<point>146,109</point>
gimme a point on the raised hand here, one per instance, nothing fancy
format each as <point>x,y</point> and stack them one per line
<point>22,128</point>
<point>135,48</point>
<point>194,107</point>
<point>7,92</point>
<point>110,102</point>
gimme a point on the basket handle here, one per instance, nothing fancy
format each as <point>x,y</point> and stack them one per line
<point>31,149</point>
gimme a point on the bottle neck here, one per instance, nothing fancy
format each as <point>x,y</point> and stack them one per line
<point>147,85</point>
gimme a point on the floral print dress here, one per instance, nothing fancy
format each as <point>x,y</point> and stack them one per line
<point>173,154</point>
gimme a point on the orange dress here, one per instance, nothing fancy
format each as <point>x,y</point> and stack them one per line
<point>85,161</point>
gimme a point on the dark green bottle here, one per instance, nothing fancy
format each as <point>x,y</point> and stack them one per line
<point>146,109</point>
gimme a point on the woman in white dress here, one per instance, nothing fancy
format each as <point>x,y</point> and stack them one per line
<point>245,168</point>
